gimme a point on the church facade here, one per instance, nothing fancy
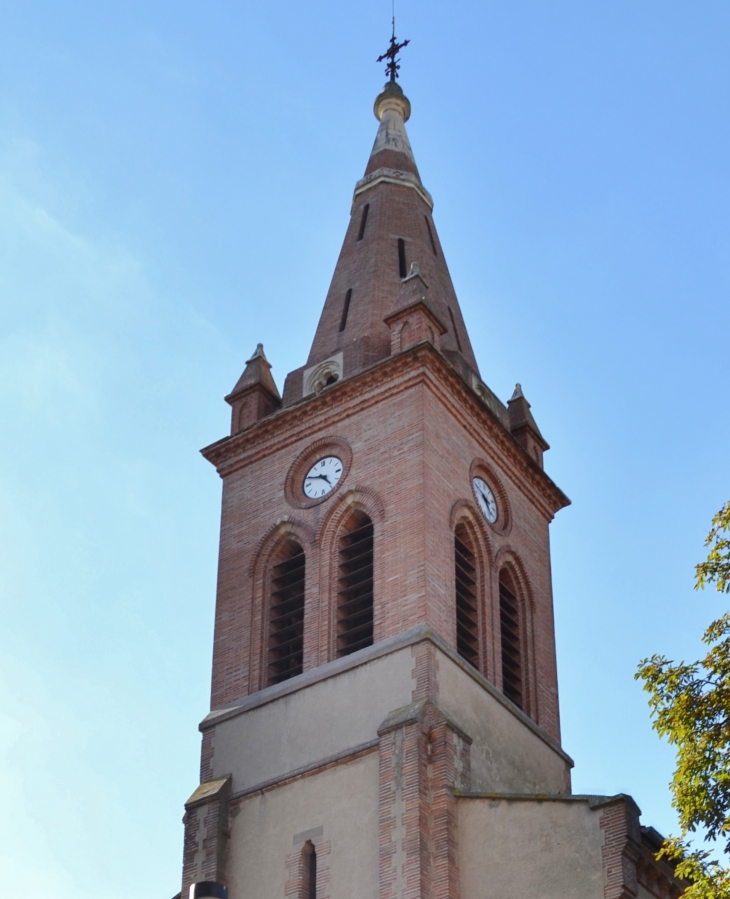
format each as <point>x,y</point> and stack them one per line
<point>384,716</point>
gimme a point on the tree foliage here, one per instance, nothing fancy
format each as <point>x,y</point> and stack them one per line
<point>716,569</point>
<point>690,706</point>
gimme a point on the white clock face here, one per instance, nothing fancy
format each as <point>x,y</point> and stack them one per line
<point>322,477</point>
<point>485,499</point>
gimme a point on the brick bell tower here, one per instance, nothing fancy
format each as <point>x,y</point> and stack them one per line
<point>384,718</point>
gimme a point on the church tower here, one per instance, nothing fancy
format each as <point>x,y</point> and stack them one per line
<point>384,716</point>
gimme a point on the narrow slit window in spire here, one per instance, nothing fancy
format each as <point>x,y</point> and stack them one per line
<point>453,325</point>
<point>345,309</point>
<point>430,236</point>
<point>402,257</point>
<point>363,221</point>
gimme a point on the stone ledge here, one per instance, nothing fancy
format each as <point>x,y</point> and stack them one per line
<point>593,800</point>
<point>392,176</point>
<point>387,377</point>
<point>349,754</point>
<point>419,634</point>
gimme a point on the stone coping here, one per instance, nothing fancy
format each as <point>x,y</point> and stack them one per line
<point>594,801</point>
<point>393,176</point>
<point>346,755</point>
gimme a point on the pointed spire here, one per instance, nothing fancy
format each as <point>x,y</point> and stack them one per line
<point>255,394</point>
<point>524,427</point>
<point>257,372</point>
<point>391,225</point>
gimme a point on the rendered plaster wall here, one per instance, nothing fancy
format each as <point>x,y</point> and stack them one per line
<point>314,723</point>
<point>506,755</point>
<point>342,801</point>
<point>329,717</point>
<point>514,850</point>
<point>644,893</point>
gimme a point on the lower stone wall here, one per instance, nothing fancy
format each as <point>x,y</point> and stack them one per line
<point>334,810</point>
<point>559,847</point>
<point>515,849</point>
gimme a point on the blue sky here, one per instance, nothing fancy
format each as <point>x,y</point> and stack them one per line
<point>175,182</point>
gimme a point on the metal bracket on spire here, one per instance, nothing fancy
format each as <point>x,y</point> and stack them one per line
<point>391,54</point>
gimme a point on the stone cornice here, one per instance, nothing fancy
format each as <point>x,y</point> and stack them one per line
<point>593,801</point>
<point>322,413</point>
<point>545,492</point>
<point>392,176</point>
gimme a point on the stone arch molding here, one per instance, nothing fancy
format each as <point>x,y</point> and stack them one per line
<point>464,512</point>
<point>362,498</point>
<point>285,528</point>
<point>319,376</point>
<point>507,558</point>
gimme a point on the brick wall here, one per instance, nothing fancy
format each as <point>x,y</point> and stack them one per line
<point>414,430</point>
<point>369,267</point>
<point>422,759</point>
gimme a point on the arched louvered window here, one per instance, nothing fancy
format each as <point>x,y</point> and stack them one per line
<point>511,628</point>
<point>355,585</point>
<point>467,591</point>
<point>286,614</point>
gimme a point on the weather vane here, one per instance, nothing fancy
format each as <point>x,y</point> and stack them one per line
<point>392,66</point>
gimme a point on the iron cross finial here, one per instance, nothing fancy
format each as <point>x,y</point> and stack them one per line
<point>392,67</point>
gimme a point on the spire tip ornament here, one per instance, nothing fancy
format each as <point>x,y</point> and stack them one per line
<point>391,54</point>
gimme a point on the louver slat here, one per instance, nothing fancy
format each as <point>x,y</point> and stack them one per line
<point>467,616</point>
<point>355,589</point>
<point>286,617</point>
<point>511,645</point>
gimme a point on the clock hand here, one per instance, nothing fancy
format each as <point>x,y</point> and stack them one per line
<point>322,477</point>
<point>489,502</point>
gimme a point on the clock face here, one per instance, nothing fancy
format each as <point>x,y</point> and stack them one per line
<point>485,499</point>
<point>322,477</point>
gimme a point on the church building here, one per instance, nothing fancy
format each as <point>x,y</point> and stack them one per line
<point>384,715</point>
